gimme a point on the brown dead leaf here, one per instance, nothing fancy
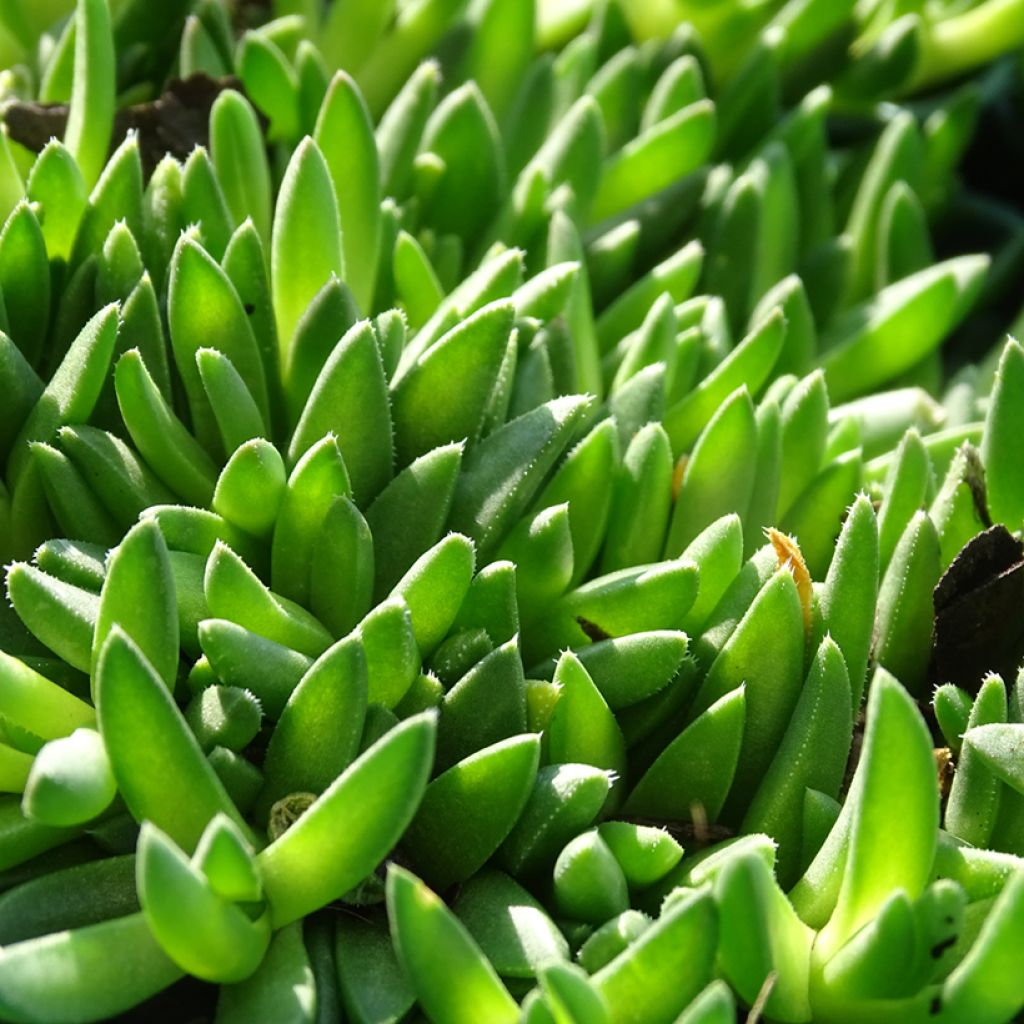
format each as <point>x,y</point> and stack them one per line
<point>791,557</point>
<point>978,624</point>
<point>176,122</point>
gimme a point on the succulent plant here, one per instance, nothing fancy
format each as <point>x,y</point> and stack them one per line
<point>513,512</point>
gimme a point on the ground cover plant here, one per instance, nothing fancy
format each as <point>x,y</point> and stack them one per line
<point>512,511</point>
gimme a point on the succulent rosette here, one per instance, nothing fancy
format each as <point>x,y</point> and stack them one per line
<point>513,512</point>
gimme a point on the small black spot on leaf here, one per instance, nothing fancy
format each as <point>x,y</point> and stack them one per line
<point>592,629</point>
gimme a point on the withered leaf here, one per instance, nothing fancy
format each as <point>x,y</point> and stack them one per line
<point>978,623</point>
<point>175,122</point>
